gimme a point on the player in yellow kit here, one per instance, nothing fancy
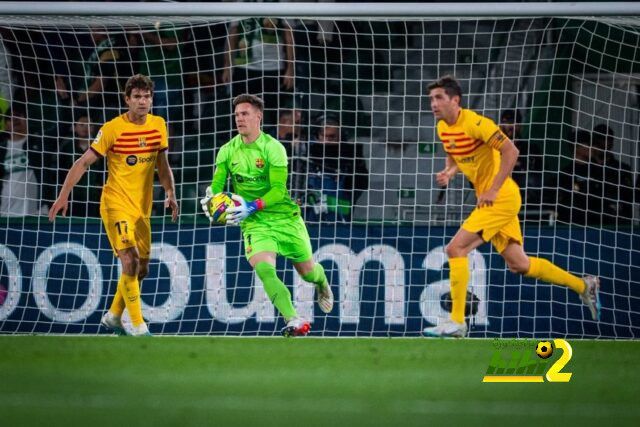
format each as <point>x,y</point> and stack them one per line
<point>477,147</point>
<point>134,144</point>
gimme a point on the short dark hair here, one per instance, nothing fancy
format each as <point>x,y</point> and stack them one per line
<point>511,116</point>
<point>449,84</point>
<point>323,121</point>
<point>254,100</point>
<point>138,81</point>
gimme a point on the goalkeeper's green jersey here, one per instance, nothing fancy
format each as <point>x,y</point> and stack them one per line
<point>249,166</point>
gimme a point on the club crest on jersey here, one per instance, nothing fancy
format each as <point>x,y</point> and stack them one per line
<point>452,144</point>
<point>259,163</point>
<point>142,142</point>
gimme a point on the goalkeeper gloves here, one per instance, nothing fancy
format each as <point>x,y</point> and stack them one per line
<point>239,213</point>
<point>205,203</point>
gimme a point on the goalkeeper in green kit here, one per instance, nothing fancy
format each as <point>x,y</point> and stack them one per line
<point>270,221</point>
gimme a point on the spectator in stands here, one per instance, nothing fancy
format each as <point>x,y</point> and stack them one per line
<point>100,82</point>
<point>160,58</point>
<point>207,106</point>
<point>527,172</point>
<point>292,136</point>
<point>617,179</point>
<point>82,203</point>
<point>254,62</point>
<point>337,173</point>
<point>23,166</point>
<point>580,186</point>
<point>290,130</point>
<point>317,53</point>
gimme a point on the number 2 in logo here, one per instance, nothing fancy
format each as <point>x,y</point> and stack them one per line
<point>554,374</point>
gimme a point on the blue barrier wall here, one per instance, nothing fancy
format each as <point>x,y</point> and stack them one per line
<point>399,273</point>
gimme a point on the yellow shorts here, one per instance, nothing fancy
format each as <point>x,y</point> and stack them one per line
<point>498,223</point>
<point>126,231</point>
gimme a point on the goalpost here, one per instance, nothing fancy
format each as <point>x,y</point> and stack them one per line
<point>569,73</point>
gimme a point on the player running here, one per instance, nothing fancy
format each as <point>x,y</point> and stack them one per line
<point>477,147</point>
<point>270,221</point>
<point>134,143</point>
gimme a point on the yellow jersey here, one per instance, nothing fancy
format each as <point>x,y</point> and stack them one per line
<point>131,151</point>
<point>473,142</point>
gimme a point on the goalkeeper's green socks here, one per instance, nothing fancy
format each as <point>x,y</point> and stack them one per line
<point>129,287</point>
<point>317,276</point>
<point>459,278</point>
<point>542,269</point>
<point>276,290</point>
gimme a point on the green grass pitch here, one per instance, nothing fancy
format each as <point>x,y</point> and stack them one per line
<point>205,381</point>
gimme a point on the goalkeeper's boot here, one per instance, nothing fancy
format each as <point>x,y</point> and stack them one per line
<point>140,331</point>
<point>296,327</point>
<point>113,323</point>
<point>591,296</point>
<point>325,298</point>
<point>446,328</point>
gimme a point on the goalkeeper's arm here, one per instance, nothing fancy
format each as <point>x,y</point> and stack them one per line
<point>217,185</point>
<point>278,182</point>
<point>219,179</point>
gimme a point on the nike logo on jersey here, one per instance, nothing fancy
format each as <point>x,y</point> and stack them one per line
<point>234,164</point>
<point>478,124</point>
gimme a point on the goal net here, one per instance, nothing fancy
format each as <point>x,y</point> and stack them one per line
<point>347,99</point>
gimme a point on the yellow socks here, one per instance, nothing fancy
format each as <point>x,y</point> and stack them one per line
<point>117,305</point>
<point>542,269</point>
<point>129,288</point>
<point>459,278</point>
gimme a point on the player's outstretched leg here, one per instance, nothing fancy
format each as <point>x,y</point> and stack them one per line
<point>113,323</point>
<point>587,287</point>
<point>591,296</point>
<point>296,327</point>
<point>446,328</point>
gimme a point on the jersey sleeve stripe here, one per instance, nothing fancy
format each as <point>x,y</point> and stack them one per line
<point>497,139</point>
<point>453,134</point>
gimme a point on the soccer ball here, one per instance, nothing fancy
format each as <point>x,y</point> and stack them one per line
<point>544,349</point>
<point>218,207</point>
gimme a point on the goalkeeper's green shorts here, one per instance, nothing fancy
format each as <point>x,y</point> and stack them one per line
<point>288,238</point>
